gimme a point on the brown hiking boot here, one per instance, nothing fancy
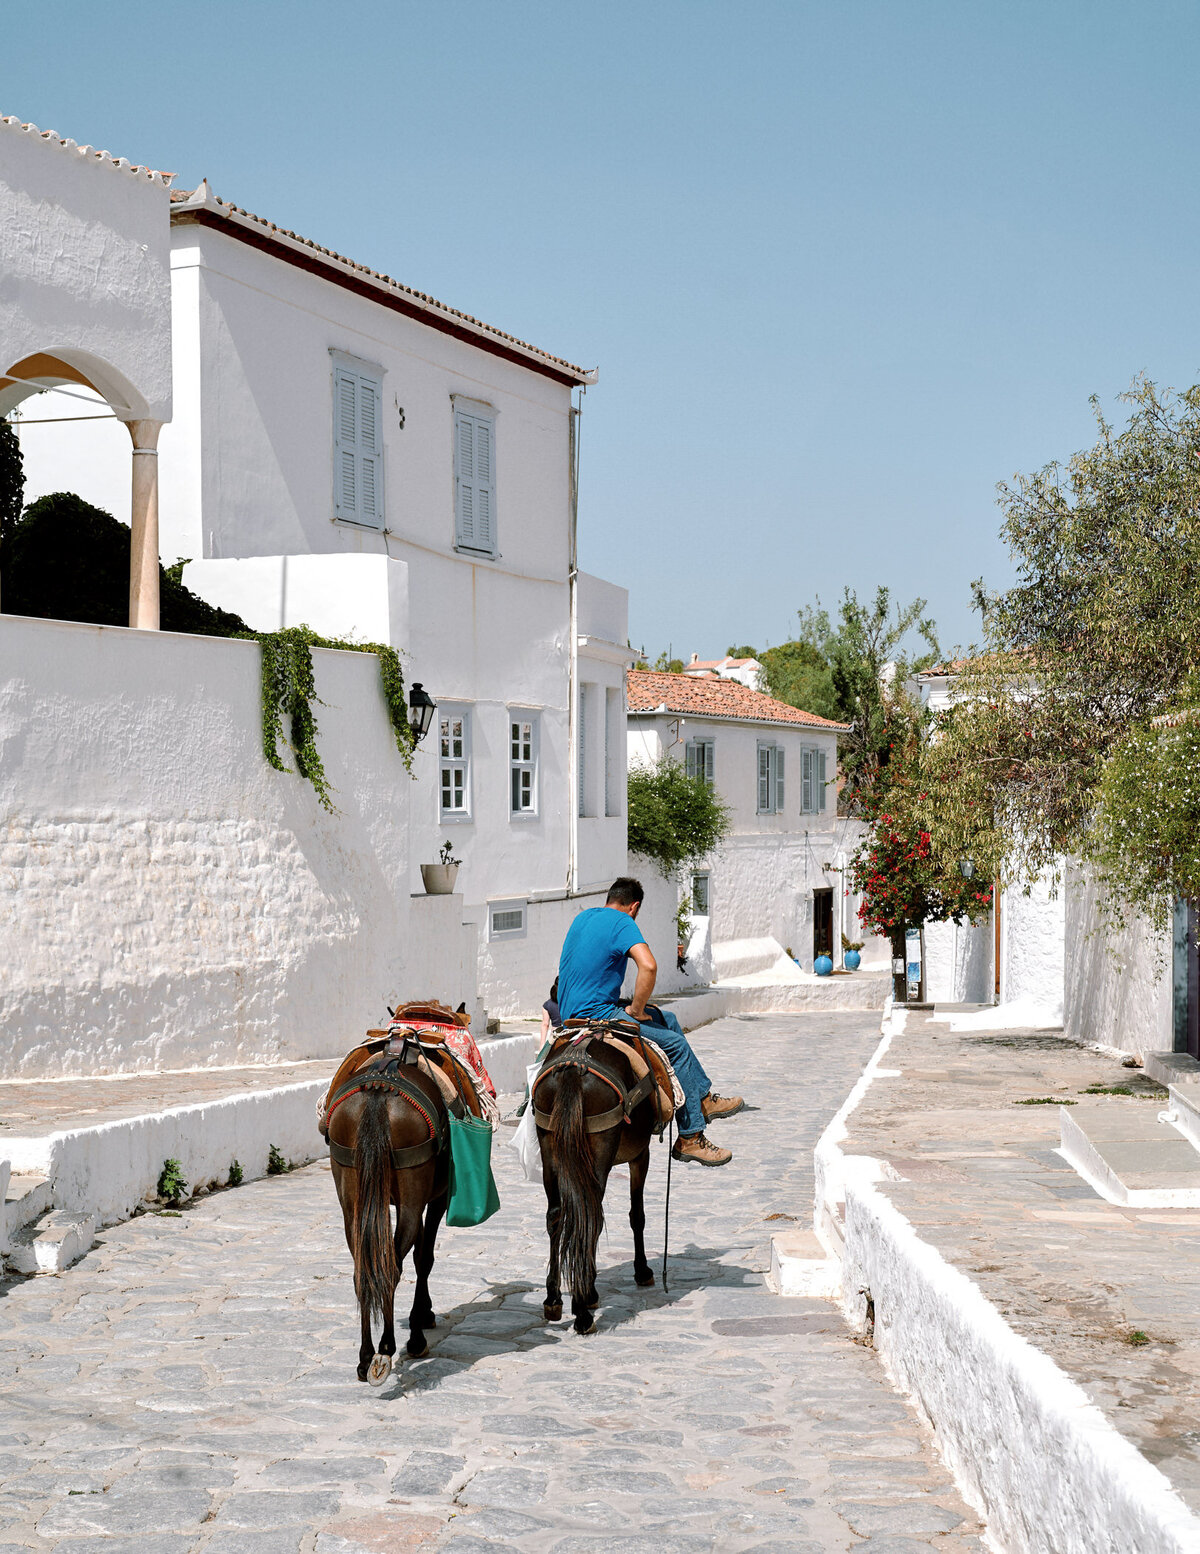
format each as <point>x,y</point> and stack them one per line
<point>696,1147</point>
<point>714,1105</point>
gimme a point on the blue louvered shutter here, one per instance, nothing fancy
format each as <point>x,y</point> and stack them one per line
<point>779,779</point>
<point>370,461</point>
<point>357,447</point>
<point>820,782</point>
<point>807,781</point>
<point>475,483</point>
<point>764,780</point>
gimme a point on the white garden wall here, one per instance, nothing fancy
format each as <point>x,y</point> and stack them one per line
<point>1118,984</point>
<point>168,900</point>
<point>84,268</point>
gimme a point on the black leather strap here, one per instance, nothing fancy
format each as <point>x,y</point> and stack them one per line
<point>402,1159</point>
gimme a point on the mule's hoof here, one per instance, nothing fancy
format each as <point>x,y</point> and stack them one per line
<point>552,1313</point>
<point>361,1373</point>
<point>590,1318</point>
<point>379,1369</point>
<point>644,1280</point>
<point>592,1301</point>
<point>417,1348</point>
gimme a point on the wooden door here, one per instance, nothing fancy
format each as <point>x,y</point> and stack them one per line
<point>822,923</point>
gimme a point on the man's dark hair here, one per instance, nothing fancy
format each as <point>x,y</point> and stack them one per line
<point>624,892</point>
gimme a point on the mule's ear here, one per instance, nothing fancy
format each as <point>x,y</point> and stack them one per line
<point>462,1009</point>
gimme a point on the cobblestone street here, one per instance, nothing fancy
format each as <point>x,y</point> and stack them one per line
<point>190,1384</point>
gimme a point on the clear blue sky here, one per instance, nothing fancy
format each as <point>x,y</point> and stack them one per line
<point>843,266</point>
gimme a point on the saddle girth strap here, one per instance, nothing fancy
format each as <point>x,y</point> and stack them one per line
<point>575,1056</point>
<point>389,1078</point>
<point>402,1159</point>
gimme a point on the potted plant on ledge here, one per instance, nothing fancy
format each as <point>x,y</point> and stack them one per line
<point>438,878</point>
<point>851,958</point>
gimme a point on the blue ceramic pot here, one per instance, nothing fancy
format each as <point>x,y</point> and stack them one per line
<point>823,966</point>
<point>852,960</point>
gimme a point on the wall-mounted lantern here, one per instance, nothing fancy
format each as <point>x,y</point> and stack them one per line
<point>966,867</point>
<point>421,708</point>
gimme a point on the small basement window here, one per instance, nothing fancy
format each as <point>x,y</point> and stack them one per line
<point>506,920</point>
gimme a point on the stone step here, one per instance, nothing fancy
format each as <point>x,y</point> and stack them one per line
<point>1171,1068</point>
<point>800,1265</point>
<point>25,1198</point>
<point>1184,1111</point>
<point>52,1242</point>
<point>1131,1154</point>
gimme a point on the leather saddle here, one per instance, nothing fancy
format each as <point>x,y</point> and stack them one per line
<point>652,1079</point>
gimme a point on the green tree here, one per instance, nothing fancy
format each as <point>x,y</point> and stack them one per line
<point>67,560</point>
<point>674,819</point>
<point>1099,634</point>
<point>12,478</point>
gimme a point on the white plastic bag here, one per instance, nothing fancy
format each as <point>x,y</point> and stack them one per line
<point>524,1138</point>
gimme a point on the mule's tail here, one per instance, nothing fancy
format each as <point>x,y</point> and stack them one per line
<point>581,1193</point>
<point>376,1273</point>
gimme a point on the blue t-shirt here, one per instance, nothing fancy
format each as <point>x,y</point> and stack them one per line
<point>591,967</point>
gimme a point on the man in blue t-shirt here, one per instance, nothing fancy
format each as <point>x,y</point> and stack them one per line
<point>591,969</point>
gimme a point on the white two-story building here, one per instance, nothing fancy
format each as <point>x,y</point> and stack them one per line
<point>350,454</point>
<point>779,878</point>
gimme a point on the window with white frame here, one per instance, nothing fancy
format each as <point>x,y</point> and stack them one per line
<point>474,477</point>
<point>454,758</point>
<point>812,781</point>
<point>700,893</point>
<point>770,780</point>
<point>523,762</point>
<point>698,755</point>
<point>506,920</point>
<point>615,758</point>
<point>357,442</point>
<point>587,696</point>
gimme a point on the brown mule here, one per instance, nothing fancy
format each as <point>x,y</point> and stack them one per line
<point>590,1118</point>
<point>387,1124</point>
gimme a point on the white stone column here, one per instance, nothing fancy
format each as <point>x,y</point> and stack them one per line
<point>143,539</point>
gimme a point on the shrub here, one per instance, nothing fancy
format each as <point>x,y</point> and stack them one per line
<point>277,1165</point>
<point>673,818</point>
<point>172,1184</point>
<point>235,1173</point>
<point>67,560</point>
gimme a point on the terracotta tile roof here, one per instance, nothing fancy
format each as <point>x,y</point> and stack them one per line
<point>719,663</point>
<point>652,689</point>
<point>203,204</point>
<point>88,152</point>
<point>941,671</point>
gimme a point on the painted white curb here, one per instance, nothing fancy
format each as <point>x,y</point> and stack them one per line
<point>1029,1451</point>
<point>108,1169</point>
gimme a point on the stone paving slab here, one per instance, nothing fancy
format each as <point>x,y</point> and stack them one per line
<point>190,1384</point>
<point>1110,1292</point>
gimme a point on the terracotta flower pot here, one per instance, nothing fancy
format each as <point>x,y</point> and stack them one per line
<point>438,878</point>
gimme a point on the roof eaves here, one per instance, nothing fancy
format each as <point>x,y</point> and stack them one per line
<point>89,153</point>
<point>204,206</point>
<point>822,727</point>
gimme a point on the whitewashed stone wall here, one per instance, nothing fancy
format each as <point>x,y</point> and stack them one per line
<point>1032,949</point>
<point>166,899</point>
<point>84,242</point>
<point>1118,986</point>
<point>959,963</point>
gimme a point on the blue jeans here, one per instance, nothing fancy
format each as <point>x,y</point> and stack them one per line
<point>694,1082</point>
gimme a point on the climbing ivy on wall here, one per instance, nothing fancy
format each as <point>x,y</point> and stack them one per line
<point>289,692</point>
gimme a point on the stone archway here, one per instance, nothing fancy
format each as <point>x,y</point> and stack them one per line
<point>56,366</point>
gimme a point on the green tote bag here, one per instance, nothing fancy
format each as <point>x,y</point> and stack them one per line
<point>473,1195</point>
